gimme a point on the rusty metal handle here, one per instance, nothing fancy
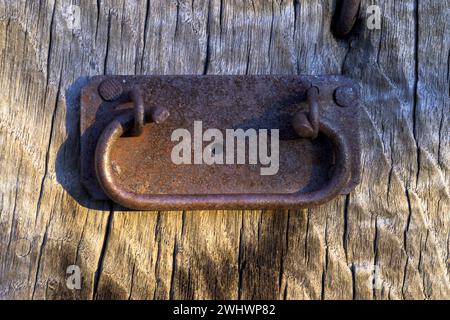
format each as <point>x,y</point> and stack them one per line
<point>132,200</point>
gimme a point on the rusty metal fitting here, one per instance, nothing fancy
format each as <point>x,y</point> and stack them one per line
<point>110,89</point>
<point>346,17</point>
<point>323,168</point>
<point>306,125</point>
<point>138,109</point>
<point>345,96</point>
<point>157,114</point>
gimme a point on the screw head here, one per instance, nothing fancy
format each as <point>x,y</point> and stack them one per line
<point>110,89</point>
<point>345,96</point>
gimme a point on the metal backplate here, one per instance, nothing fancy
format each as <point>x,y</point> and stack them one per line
<point>143,164</point>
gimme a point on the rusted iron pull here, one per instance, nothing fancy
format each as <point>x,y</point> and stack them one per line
<point>134,200</point>
<point>319,151</point>
<point>307,124</point>
<point>346,17</point>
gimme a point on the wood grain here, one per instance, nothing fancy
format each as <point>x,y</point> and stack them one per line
<point>389,239</point>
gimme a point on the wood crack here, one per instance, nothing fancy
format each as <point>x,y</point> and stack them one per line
<point>325,264</point>
<point>147,17</point>
<point>271,37</point>
<point>98,20</point>
<point>50,139</point>
<point>208,34</point>
<point>353,270</point>
<point>105,62</point>
<point>98,271</point>
<point>284,252</point>
<point>416,93</point>
<point>50,43</point>
<point>81,239</point>
<point>174,269</point>
<point>158,262</point>
<point>38,267</point>
<point>132,280</point>
<point>345,235</point>
<point>306,236</point>
<point>240,262</point>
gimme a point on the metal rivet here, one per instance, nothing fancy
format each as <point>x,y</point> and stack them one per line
<point>345,96</point>
<point>159,114</point>
<point>110,89</point>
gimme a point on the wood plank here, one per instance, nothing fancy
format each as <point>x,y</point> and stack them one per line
<point>390,239</point>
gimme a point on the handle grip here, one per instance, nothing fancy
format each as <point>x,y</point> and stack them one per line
<point>133,200</point>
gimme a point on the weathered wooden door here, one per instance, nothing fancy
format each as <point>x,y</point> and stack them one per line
<point>388,240</point>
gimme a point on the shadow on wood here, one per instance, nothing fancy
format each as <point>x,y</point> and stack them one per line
<point>67,159</point>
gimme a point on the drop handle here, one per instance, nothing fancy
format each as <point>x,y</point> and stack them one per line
<point>307,125</point>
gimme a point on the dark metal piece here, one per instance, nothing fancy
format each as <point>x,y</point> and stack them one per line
<point>137,171</point>
<point>307,125</point>
<point>159,115</point>
<point>110,89</point>
<point>139,112</point>
<point>302,125</point>
<point>345,96</point>
<point>346,17</point>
